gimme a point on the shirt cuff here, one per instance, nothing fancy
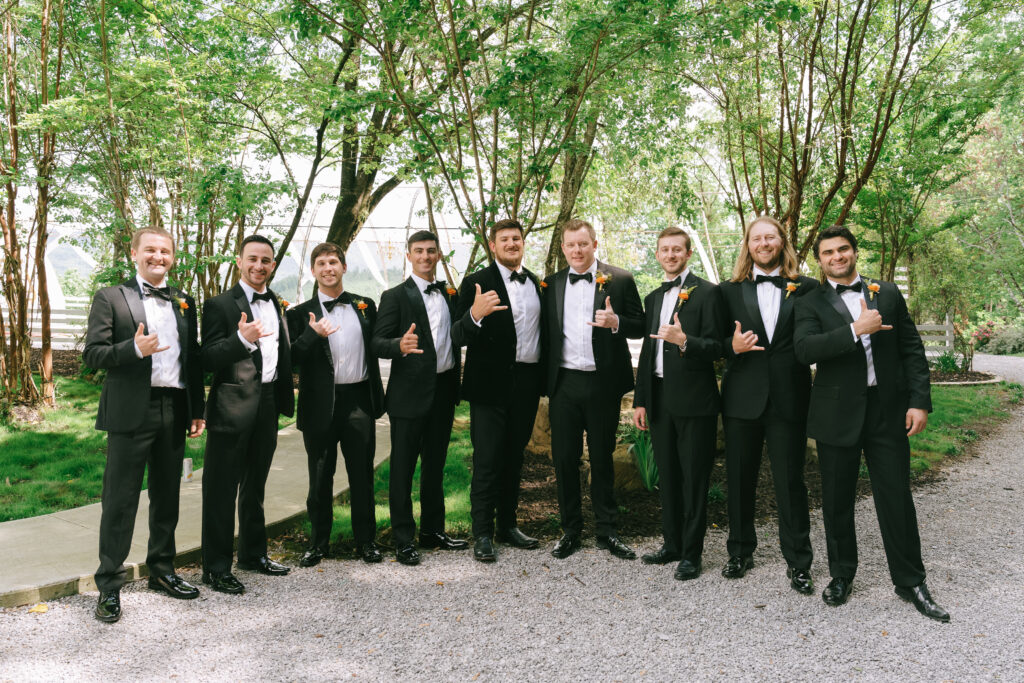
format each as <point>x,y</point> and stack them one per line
<point>478,323</point>
<point>138,351</point>
<point>248,344</point>
<point>856,336</point>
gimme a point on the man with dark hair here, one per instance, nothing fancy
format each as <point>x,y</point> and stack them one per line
<point>340,396</point>
<point>423,390</point>
<point>590,308</point>
<point>144,334</point>
<point>677,398</point>
<point>245,345</point>
<point>498,320</point>
<point>871,392</point>
<point>765,392</point>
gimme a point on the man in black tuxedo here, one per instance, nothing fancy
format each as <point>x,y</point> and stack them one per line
<point>871,391</point>
<point>245,345</point>
<point>677,398</point>
<point>590,308</point>
<point>340,396</point>
<point>765,391</point>
<point>423,390</point>
<point>144,334</point>
<point>498,320</point>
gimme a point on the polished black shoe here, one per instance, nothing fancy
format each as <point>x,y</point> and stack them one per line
<point>174,585</point>
<point>407,554</point>
<point>516,538</point>
<point>922,600</point>
<point>566,546</point>
<point>838,591</point>
<point>224,583</point>
<point>265,565</point>
<point>800,580</point>
<point>108,609</point>
<point>483,549</point>
<point>687,571</point>
<point>441,541</point>
<point>616,547</point>
<point>737,566</point>
<point>312,557</point>
<point>660,556</point>
<point>370,553</point>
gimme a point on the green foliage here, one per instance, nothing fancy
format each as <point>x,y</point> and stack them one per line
<point>1006,341</point>
<point>958,412</point>
<point>643,453</point>
<point>716,494</point>
<point>947,362</point>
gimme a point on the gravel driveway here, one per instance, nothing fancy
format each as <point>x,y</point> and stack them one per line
<point>589,617</point>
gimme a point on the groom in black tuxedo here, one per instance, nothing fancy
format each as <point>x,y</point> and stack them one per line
<point>765,392</point>
<point>245,345</point>
<point>590,308</point>
<point>498,320</point>
<point>144,334</point>
<point>871,392</point>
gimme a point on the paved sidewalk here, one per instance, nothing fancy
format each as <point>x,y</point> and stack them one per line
<point>54,555</point>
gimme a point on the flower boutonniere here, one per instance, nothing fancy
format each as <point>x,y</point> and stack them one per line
<point>873,288</point>
<point>543,285</point>
<point>181,304</point>
<point>684,296</point>
<point>602,279</point>
<point>451,290</point>
<point>282,302</point>
<point>360,305</point>
<point>791,287</point>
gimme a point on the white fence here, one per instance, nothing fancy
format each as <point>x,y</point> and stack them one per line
<point>67,325</point>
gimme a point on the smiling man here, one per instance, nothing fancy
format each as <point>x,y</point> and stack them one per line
<point>245,345</point>
<point>871,392</point>
<point>144,334</point>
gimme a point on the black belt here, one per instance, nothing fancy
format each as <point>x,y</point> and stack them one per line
<point>165,392</point>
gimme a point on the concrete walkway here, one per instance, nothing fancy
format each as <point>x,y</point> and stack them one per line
<point>54,555</point>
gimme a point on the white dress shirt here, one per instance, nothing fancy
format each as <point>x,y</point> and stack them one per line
<point>440,324</point>
<point>668,303</point>
<point>160,320</point>
<point>265,312</point>
<point>525,306</point>
<point>347,348</point>
<point>769,300</point>
<point>577,311</point>
<point>852,301</point>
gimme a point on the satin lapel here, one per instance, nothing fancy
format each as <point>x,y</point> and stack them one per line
<point>785,310</point>
<point>179,318</point>
<point>600,292</point>
<point>281,327</point>
<point>507,317</point>
<point>837,303</point>
<point>238,294</point>
<point>133,297</point>
<point>419,310</point>
<point>872,301</point>
<point>690,281</point>
<point>749,290</point>
<point>656,304</point>
<point>317,309</point>
<point>559,286</point>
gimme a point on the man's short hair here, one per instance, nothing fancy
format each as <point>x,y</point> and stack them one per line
<point>137,236</point>
<point>672,231</point>
<point>422,236</point>
<point>326,248</point>
<point>834,231</point>
<point>258,239</point>
<point>574,224</point>
<point>505,224</point>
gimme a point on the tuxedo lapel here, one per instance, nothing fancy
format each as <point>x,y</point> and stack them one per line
<point>657,301</point>
<point>601,292</point>
<point>507,317</point>
<point>242,301</point>
<point>179,318</point>
<point>558,284</point>
<point>419,312</point>
<point>749,289</point>
<point>785,308</point>
<point>133,298</point>
<point>317,309</point>
<point>872,301</point>
<point>837,302</point>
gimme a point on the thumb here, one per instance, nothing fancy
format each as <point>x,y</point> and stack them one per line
<point>312,318</point>
<point>676,318</point>
<point>244,317</point>
<point>863,305</point>
<point>141,329</point>
<point>478,289</point>
<point>607,303</point>
<point>739,330</point>
<point>411,328</point>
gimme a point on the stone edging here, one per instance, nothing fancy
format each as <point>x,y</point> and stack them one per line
<point>995,380</point>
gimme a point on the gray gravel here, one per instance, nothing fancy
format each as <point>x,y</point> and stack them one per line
<point>589,617</point>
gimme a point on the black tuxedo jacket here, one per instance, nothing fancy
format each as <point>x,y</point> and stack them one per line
<point>311,353</point>
<point>611,353</point>
<point>690,381</point>
<point>237,373</point>
<point>839,394</point>
<point>414,376</point>
<point>752,378</point>
<point>110,345</point>
<point>488,377</point>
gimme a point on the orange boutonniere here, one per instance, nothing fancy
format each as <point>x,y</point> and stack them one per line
<point>791,287</point>
<point>451,291</point>
<point>543,284</point>
<point>361,306</point>
<point>283,303</point>
<point>602,279</point>
<point>684,296</point>
<point>181,304</point>
<point>873,287</point>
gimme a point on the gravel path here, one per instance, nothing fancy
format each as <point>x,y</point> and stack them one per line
<point>589,617</point>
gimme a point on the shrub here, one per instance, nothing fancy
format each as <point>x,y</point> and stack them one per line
<point>640,445</point>
<point>946,362</point>
<point>983,335</point>
<point>1006,341</point>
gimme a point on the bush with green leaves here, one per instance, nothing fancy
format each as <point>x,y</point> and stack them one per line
<point>1006,341</point>
<point>946,362</point>
<point>643,452</point>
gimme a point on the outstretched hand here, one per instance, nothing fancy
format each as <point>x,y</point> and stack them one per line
<point>410,341</point>
<point>870,320</point>
<point>251,332</point>
<point>743,342</point>
<point>485,303</point>
<point>672,333</point>
<point>324,327</point>
<point>148,343</point>
<point>606,317</point>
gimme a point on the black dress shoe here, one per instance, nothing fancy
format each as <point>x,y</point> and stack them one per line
<point>108,609</point>
<point>265,565</point>
<point>616,547</point>
<point>566,546</point>
<point>516,538</point>
<point>660,556</point>
<point>838,591</point>
<point>800,580</point>
<point>174,585</point>
<point>483,549</point>
<point>922,600</point>
<point>370,553</point>
<point>224,583</point>
<point>687,571</point>
<point>407,554</point>
<point>737,566</point>
<point>312,557</point>
<point>441,541</point>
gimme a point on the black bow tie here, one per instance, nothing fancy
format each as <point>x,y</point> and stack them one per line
<point>265,296</point>
<point>665,286</point>
<point>159,292</point>
<point>776,280</point>
<point>517,276</point>
<point>343,298</point>
<point>436,286</point>
<point>576,277</point>
<point>855,287</point>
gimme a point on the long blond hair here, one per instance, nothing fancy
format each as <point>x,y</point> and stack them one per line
<point>745,265</point>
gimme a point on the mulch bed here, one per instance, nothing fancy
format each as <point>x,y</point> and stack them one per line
<point>66,363</point>
<point>966,376</point>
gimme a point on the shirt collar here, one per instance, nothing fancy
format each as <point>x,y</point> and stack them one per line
<point>506,272</point>
<point>592,269</point>
<point>420,282</point>
<point>326,297</point>
<point>143,283</point>
<point>249,291</point>
<point>836,284</point>
<point>774,273</point>
<point>682,276</point>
